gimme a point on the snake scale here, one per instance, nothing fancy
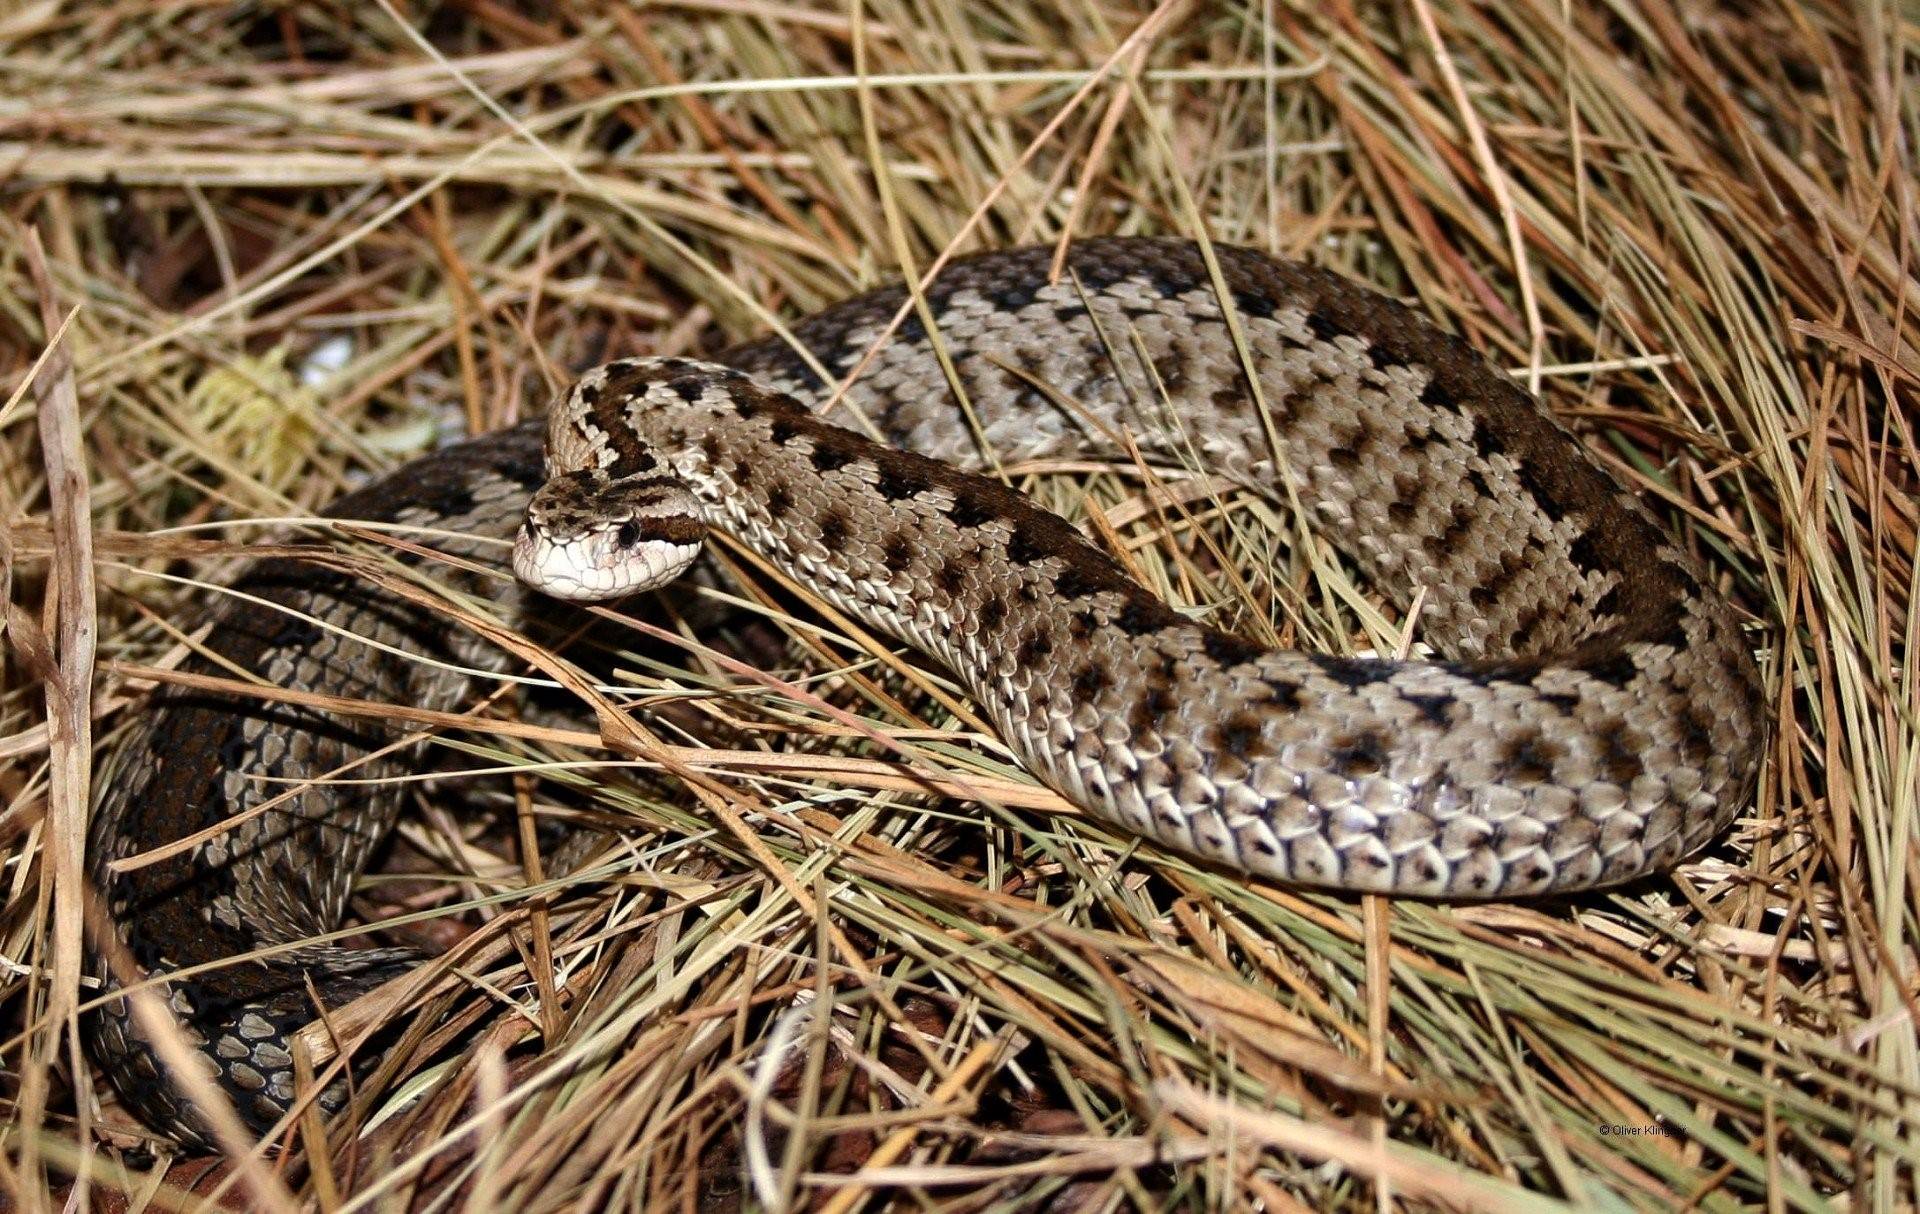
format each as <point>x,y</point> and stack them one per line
<point>1595,714</point>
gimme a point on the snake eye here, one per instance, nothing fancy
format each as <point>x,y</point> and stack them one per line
<point>628,535</point>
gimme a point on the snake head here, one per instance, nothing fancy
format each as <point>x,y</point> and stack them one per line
<point>590,536</point>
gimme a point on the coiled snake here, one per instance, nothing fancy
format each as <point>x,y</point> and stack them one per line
<point>1597,715</point>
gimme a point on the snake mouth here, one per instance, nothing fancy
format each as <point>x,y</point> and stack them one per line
<point>595,566</point>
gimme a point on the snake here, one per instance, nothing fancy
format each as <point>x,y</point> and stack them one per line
<point>1589,712</point>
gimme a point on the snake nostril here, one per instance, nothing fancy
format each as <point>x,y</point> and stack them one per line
<point>628,535</point>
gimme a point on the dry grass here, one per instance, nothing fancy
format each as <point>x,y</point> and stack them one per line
<point>816,985</point>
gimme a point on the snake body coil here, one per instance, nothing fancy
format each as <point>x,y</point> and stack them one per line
<point>1597,715</point>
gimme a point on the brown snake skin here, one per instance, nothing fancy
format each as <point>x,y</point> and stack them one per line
<point>1597,715</point>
